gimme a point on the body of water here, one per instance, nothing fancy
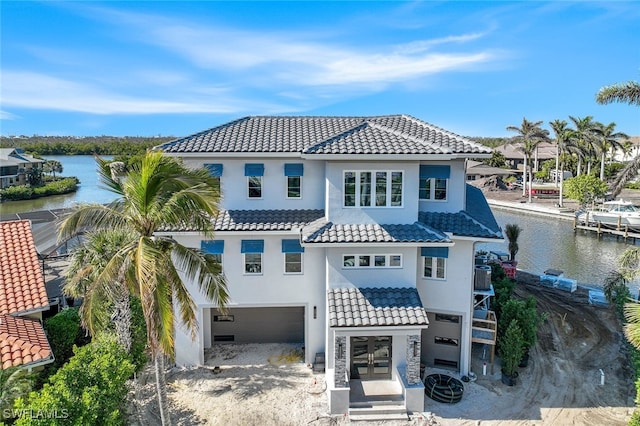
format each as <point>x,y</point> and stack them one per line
<point>552,243</point>
<point>83,167</point>
<point>544,242</point>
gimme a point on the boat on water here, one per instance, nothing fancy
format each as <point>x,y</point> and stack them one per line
<point>617,213</point>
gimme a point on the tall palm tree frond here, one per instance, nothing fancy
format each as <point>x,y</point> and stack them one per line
<point>628,92</point>
<point>627,174</point>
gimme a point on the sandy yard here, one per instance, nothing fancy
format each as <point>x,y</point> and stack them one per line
<point>269,385</point>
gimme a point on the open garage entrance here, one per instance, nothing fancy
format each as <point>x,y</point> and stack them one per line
<point>441,341</point>
<point>258,325</point>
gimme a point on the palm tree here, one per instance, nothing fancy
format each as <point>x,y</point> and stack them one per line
<point>628,92</point>
<point>584,136</point>
<point>103,301</point>
<point>629,269</point>
<point>512,231</point>
<point>159,193</point>
<point>563,139</point>
<point>608,140</point>
<point>14,383</point>
<point>530,135</point>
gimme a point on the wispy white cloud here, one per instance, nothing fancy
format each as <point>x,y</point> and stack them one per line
<point>220,69</point>
<point>217,47</point>
<point>40,91</point>
<point>5,115</point>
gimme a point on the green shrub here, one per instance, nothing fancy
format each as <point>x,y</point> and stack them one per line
<point>64,331</point>
<point>19,192</point>
<point>26,192</point>
<point>89,390</point>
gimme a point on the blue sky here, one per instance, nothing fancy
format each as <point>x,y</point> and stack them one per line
<point>176,68</point>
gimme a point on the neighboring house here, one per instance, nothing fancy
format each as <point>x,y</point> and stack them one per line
<point>477,170</point>
<point>23,298</point>
<point>15,167</point>
<point>515,157</point>
<point>353,236</point>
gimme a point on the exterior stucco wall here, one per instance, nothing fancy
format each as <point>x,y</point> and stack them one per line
<point>337,213</point>
<point>272,288</point>
<point>274,184</point>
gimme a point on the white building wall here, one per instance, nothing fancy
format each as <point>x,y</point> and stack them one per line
<point>337,213</point>
<point>340,277</point>
<point>454,295</point>
<point>455,190</point>
<point>274,184</point>
<point>271,288</point>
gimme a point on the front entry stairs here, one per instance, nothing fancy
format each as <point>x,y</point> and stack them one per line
<point>376,400</point>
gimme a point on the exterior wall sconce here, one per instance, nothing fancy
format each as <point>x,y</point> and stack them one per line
<point>340,351</point>
<point>415,348</point>
<point>315,312</point>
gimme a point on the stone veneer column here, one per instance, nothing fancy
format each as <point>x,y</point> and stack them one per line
<point>413,361</point>
<point>340,362</point>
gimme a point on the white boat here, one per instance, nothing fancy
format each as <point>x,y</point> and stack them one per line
<point>612,213</point>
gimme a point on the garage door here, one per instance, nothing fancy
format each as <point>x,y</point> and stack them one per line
<point>258,325</point>
<point>441,341</point>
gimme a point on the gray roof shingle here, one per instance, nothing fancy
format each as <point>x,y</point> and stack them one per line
<point>329,232</point>
<point>393,134</point>
<point>375,306</point>
<point>476,221</point>
<point>264,220</point>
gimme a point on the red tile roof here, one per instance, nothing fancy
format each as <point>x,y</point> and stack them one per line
<point>22,342</point>
<point>22,286</point>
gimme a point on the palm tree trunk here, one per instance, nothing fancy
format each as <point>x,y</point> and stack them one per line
<point>161,388</point>
<point>524,177</point>
<point>122,319</point>
<point>602,167</point>
<point>530,183</point>
<point>560,201</point>
<point>579,167</point>
<point>557,161</point>
<point>589,167</point>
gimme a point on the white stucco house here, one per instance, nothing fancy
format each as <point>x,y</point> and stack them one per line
<point>353,236</point>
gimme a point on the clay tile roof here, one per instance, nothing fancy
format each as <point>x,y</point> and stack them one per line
<point>22,342</point>
<point>357,307</point>
<point>330,232</point>
<point>22,286</point>
<point>377,135</point>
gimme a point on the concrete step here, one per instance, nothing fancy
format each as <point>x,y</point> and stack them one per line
<point>380,411</point>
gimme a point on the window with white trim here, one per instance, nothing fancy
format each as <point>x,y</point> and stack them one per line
<point>252,256</point>
<point>293,173</point>
<point>253,263</point>
<point>254,173</point>
<point>350,261</point>
<point>292,256</point>
<point>434,180</point>
<point>294,187</point>
<point>293,263</point>
<point>434,267</point>
<point>214,250</point>
<point>376,188</point>
<point>434,262</point>
<point>433,189</point>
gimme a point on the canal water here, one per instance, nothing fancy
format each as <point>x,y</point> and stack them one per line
<point>83,167</point>
<point>544,242</point>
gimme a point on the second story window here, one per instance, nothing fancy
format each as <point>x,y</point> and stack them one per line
<point>293,173</point>
<point>254,173</point>
<point>434,262</point>
<point>216,171</point>
<point>350,261</point>
<point>292,256</point>
<point>433,182</point>
<point>214,249</point>
<point>252,255</point>
<point>373,188</point>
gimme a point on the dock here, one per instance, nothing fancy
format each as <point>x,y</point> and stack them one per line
<point>620,231</point>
